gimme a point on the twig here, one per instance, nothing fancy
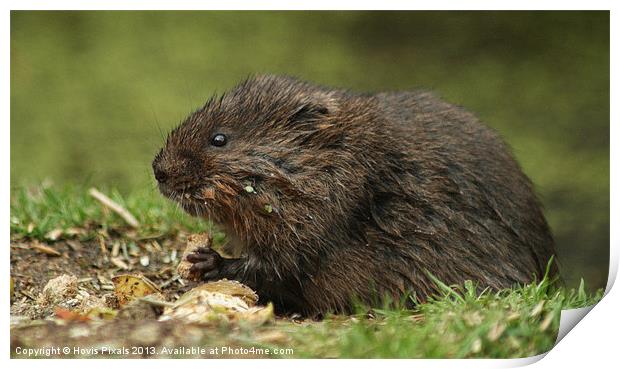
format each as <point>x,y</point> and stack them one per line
<point>104,249</point>
<point>153,301</point>
<point>119,263</point>
<point>125,253</point>
<point>45,249</point>
<point>169,281</point>
<point>109,203</point>
<point>28,295</point>
<point>116,247</point>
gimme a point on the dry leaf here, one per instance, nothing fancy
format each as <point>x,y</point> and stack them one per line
<point>45,249</point>
<point>472,318</point>
<point>75,245</point>
<point>537,309</point>
<point>513,316</point>
<point>277,337</point>
<point>546,322</point>
<point>257,315</point>
<point>69,315</point>
<point>128,287</point>
<point>74,231</point>
<point>496,331</point>
<point>54,234</point>
<point>101,313</point>
<point>232,288</point>
<point>205,305</point>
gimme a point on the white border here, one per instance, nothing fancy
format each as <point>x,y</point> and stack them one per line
<point>313,5</point>
<point>593,340</point>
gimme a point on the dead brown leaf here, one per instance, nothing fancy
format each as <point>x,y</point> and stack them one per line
<point>54,234</point>
<point>128,287</point>
<point>69,315</point>
<point>45,249</point>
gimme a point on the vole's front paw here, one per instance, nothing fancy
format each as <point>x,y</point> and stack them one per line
<point>206,263</point>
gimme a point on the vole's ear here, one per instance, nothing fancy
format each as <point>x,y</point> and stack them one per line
<point>309,113</point>
<point>316,125</point>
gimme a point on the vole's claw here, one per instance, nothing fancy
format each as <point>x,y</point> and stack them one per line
<point>196,258</point>
<point>206,262</point>
<point>211,275</point>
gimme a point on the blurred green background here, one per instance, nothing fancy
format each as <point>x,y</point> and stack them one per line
<point>92,92</point>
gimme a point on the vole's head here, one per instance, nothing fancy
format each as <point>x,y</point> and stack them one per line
<point>243,152</point>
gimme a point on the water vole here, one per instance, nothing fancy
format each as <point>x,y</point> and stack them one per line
<point>333,195</point>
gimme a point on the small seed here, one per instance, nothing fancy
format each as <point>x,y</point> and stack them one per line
<point>249,189</point>
<point>145,260</point>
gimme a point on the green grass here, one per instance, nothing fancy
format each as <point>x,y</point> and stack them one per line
<point>37,211</point>
<point>459,323</point>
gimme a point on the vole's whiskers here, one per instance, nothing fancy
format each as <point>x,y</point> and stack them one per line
<point>157,125</point>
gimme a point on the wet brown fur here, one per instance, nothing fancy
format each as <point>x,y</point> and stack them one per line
<point>368,193</point>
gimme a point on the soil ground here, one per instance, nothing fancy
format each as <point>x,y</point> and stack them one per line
<point>35,327</point>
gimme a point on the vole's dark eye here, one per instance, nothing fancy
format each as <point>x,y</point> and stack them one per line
<point>218,140</point>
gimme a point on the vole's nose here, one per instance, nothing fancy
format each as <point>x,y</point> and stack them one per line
<point>160,175</point>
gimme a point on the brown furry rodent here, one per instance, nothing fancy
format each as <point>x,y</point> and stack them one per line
<point>336,197</point>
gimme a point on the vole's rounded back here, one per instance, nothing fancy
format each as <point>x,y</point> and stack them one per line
<point>334,196</point>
